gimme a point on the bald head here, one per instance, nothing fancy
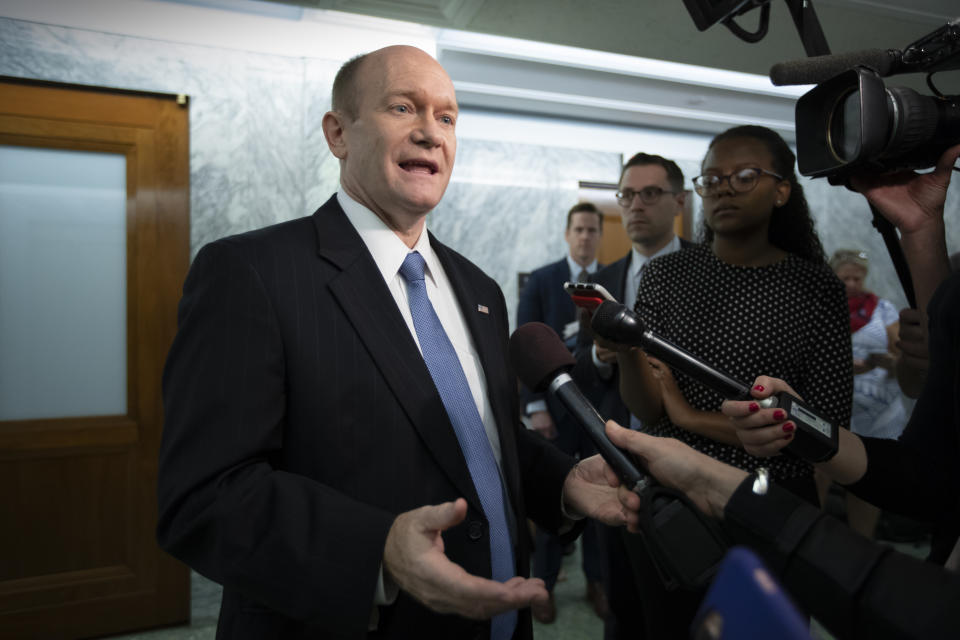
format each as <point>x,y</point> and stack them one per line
<point>345,96</point>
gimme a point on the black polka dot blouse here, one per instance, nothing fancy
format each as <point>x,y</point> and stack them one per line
<point>788,320</point>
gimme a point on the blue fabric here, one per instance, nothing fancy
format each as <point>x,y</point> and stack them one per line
<point>444,366</point>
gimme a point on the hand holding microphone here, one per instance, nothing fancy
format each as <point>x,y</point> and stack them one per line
<point>542,363</point>
<point>686,546</point>
<point>811,437</point>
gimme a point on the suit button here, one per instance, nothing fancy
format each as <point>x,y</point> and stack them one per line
<point>475,530</point>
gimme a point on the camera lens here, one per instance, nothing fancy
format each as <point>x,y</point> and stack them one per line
<point>914,120</point>
<point>844,127</point>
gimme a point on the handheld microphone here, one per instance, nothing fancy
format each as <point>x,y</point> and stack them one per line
<point>816,438</point>
<point>542,362</point>
<point>819,69</point>
<point>686,546</point>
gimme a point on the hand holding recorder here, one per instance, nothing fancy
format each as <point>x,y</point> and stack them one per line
<point>815,437</point>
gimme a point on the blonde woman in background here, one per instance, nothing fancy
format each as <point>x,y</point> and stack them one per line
<point>880,409</point>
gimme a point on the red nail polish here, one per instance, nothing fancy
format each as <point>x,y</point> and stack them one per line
<point>788,436</point>
<point>758,387</point>
<point>788,427</point>
<point>754,407</point>
<point>779,414</point>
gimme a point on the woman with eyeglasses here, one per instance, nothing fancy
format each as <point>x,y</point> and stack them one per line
<point>756,295</point>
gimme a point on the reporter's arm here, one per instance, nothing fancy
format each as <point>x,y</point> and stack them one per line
<point>639,388</point>
<point>914,360</point>
<point>710,424</point>
<point>856,587</point>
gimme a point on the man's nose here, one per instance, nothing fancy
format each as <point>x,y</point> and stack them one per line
<point>427,132</point>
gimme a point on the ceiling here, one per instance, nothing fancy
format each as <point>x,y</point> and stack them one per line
<point>663,29</point>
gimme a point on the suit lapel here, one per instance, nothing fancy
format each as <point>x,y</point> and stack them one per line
<point>369,306</point>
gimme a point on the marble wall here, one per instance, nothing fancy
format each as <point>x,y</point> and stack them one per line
<point>506,206</point>
<point>258,156</point>
<point>255,156</point>
<point>257,153</point>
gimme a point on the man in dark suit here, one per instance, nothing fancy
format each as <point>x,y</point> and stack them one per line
<point>651,196</point>
<point>544,299</point>
<point>316,460</point>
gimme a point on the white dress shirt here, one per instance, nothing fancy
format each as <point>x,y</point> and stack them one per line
<point>388,252</point>
<point>637,262</point>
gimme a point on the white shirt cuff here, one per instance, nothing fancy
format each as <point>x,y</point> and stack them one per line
<point>536,405</point>
<point>604,369</point>
<point>386,594</point>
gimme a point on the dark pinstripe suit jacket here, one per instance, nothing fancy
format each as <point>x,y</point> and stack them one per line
<point>301,418</point>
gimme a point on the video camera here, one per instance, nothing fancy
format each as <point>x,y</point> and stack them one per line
<point>852,121</point>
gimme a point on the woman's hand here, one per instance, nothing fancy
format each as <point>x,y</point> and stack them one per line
<point>763,432</point>
<point>678,409</point>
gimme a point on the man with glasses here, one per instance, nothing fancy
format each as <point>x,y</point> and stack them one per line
<point>651,196</point>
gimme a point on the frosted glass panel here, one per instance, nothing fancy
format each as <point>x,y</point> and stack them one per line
<point>63,298</point>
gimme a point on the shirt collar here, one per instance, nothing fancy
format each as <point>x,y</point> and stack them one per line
<point>638,260</point>
<point>575,268</point>
<point>386,247</point>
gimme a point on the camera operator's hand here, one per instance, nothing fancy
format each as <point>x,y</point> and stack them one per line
<point>910,200</point>
<point>913,202</point>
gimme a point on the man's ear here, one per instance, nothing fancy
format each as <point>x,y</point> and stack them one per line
<point>333,131</point>
<point>681,200</point>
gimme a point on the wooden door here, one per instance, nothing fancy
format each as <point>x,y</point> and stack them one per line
<point>78,509</point>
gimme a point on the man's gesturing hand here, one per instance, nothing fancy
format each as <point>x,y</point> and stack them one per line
<point>414,558</point>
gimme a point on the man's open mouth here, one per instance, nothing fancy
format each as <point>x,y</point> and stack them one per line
<point>419,166</point>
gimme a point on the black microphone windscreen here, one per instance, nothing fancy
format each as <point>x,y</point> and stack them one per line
<point>537,352</point>
<point>821,68</point>
<point>606,314</point>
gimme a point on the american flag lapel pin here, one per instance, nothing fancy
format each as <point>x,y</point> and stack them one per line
<point>482,308</point>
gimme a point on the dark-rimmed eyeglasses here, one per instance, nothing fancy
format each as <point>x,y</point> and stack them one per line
<point>648,195</point>
<point>740,181</point>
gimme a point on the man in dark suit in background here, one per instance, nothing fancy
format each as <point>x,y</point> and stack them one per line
<point>544,299</point>
<point>651,196</point>
<point>341,448</point>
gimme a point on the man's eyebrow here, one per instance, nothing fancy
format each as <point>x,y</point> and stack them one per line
<point>416,94</point>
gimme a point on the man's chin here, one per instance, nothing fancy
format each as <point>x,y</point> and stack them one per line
<point>421,203</point>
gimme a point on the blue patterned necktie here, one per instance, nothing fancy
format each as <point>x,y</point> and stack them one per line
<point>451,383</point>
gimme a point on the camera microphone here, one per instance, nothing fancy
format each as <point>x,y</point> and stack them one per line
<point>816,438</point>
<point>821,68</point>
